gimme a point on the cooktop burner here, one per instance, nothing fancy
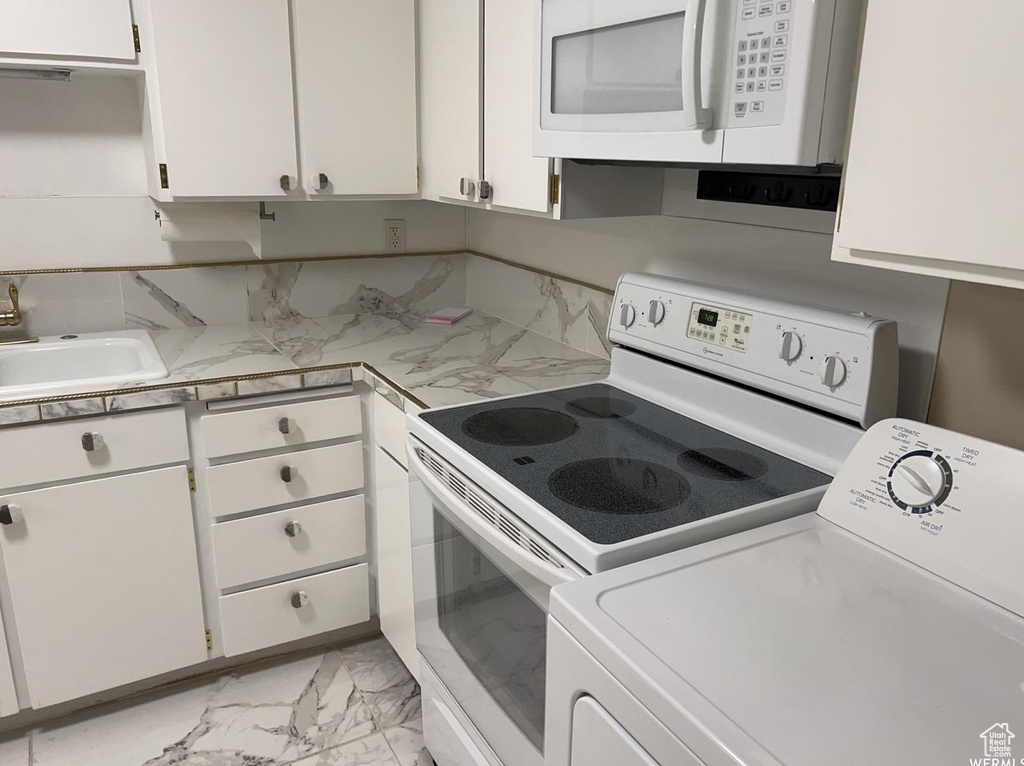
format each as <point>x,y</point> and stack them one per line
<point>614,466</point>
<point>617,485</point>
<point>520,426</point>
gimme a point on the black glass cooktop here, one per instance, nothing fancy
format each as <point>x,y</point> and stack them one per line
<point>614,466</point>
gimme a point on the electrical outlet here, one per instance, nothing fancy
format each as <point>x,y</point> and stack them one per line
<point>394,235</point>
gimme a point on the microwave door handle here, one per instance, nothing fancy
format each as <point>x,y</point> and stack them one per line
<point>548,574</point>
<point>695,116</point>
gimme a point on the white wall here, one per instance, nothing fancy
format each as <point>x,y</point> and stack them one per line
<point>790,265</point>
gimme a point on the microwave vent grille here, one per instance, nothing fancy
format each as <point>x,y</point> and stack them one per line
<point>503,522</point>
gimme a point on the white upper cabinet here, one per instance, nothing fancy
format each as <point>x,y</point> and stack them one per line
<point>355,74</point>
<point>451,97</point>
<point>225,83</point>
<point>517,178</point>
<point>937,191</point>
<point>97,29</point>
<point>8,696</point>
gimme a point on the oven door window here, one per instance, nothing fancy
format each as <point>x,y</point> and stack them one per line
<point>628,68</point>
<point>499,632</point>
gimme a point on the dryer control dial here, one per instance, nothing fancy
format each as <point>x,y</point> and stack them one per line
<point>627,315</point>
<point>919,480</point>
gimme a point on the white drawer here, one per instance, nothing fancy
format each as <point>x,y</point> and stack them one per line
<point>50,452</point>
<point>252,484</point>
<point>266,617</point>
<point>286,542</point>
<point>389,428</point>
<point>283,425</point>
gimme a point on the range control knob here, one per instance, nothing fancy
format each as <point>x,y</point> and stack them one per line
<point>833,371</point>
<point>627,315</point>
<point>790,346</point>
<point>917,481</point>
<point>656,312</point>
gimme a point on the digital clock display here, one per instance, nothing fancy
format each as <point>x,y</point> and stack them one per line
<point>707,317</point>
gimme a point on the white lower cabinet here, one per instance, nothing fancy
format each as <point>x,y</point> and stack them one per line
<point>104,583</point>
<point>295,609</point>
<point>8,696</point>
<point>394,559</point>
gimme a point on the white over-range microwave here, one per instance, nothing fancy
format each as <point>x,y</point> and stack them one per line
<point>761,82</point>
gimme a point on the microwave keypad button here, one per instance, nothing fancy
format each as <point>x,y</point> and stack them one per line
<point>778,56</point>
<point>743,45</point>
<point>781,41</point>
<point>775,85</point>
<point>749,13</point>
<point>764,10</point>
<point>755,106</point>
<point>784,7</point>
<point>749,2</point>
<point>766,42</point>
<point>778,70</point>
<point>763,71</point>
<point>752,72</point>
<point>764,57</point>
<point>782,26</point>
<point>741,73</point>
<point>762,86</point>
<point>739,87</point>
<point>750,86</point>
<point>741,60</point>
<point>741,107</point>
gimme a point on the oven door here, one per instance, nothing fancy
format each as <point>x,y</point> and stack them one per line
<point>630,81</point>
<point>482,581</point>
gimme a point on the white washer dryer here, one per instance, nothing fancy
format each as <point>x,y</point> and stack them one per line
<point>886,628</point>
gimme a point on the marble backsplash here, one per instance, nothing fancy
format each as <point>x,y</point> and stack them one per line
<point>399,288</point>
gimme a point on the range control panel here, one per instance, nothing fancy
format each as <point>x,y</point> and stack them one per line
<point>945,501</point>
<point>837,362</point>
<point>764,29</point>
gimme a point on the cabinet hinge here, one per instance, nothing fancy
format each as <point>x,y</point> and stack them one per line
<point>209,640</point>
<point>163,177</point>
<point>556,188</point>
<point>839,215</point>
<point>417,176</point>
<point>192,479</point>
<point>135,36</point>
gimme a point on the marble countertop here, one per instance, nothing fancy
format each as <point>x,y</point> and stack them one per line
<point>480,357</point>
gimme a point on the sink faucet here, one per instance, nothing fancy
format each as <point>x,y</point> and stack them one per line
<point>11,317</point>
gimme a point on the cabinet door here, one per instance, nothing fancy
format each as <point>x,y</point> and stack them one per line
<point>104,583</point>
<point>394,559</point>
<point>937,187</point>
<point>8,697</point>
<point>355,74</point>
<point>225,80</point>
<point>517,178</point>
<point>98,29</point>
<point>450,95</point>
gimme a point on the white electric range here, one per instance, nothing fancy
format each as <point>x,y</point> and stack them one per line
<point>886,628</point>
<point>722,412</point>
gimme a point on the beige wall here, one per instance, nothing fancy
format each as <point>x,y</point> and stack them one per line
<point>979,379</point>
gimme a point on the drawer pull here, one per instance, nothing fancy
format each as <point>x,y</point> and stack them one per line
<point>92,441</point>
<point>11,514</point>
<point>299,599</point>
<point>284,426</point>
<point>293,528</point>
<point>286,474</point>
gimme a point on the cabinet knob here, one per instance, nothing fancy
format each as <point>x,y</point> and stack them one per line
<point>299,599</point>
<point>293,528</point>
<point>486,190</point>
<point>319,181</point>
<point>92,441</point>
<point>284,426</point>
<point>286,474</point>
<point>466,187</point>
<point>288,182</point>
<point>11,514</point>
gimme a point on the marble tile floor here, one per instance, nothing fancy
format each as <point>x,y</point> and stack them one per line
<point>354,705</point>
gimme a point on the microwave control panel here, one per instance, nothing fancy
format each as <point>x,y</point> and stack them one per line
<point>761,62</point>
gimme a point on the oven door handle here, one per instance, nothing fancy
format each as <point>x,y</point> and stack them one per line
<point>547,573</point>
<point>695,116</point>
